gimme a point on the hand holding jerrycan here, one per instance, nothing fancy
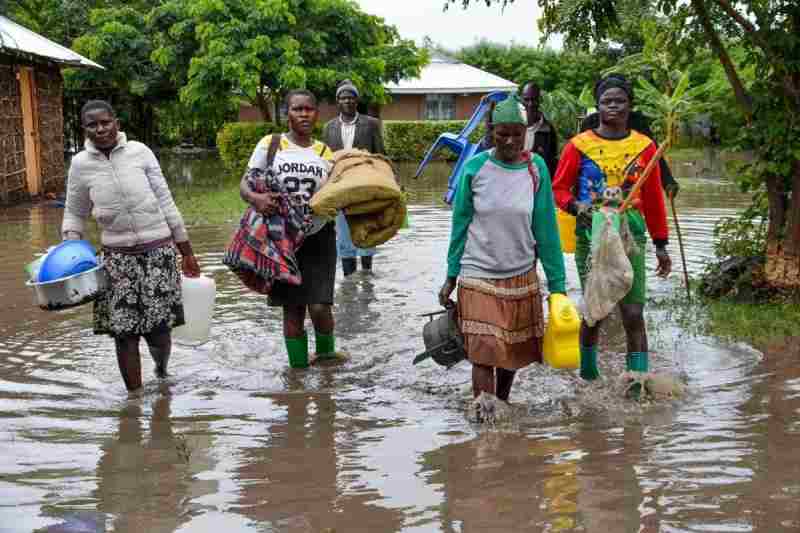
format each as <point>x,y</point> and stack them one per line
<point>561,336</point>
<point>198,307</point>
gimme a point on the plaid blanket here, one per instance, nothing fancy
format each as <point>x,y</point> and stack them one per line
<point>261,251</point>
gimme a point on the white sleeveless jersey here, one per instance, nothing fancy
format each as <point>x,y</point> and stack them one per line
<point>301,170</point>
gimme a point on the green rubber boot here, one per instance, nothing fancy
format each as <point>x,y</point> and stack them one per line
<point>636,362</point>
<point>326,347</point>
<point>297,347</point>
<point>589,369</point>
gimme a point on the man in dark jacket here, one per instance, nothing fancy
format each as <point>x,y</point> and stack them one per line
<point>541,136</point>
<point>352,130</point>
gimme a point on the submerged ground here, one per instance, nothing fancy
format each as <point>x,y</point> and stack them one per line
<point>236,441</point>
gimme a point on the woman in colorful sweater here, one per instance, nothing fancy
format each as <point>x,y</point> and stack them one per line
<point>613,155</point>
<point>503,214</point>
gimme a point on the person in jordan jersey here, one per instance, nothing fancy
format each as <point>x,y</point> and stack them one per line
<point>302,164</point>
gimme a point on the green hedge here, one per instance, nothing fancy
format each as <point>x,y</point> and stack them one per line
<point>236,141</point>
<point>406,140</point>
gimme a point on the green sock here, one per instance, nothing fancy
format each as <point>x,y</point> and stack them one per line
<point>325,346</point>
<point>589,369</point>
<point>297,347</point>
<point>637,362</point>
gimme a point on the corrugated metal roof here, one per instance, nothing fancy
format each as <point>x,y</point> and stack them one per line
<point>446,76</point>
<point>16,39</point>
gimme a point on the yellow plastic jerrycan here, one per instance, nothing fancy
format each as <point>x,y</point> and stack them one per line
<point>566,230</point>
<point>561,344</point>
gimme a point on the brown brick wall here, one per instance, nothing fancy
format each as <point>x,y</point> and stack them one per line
<point>49,89</point>
<point>248,113</point>
<point>13,176</point>
<point>402,107</point>
<point>466,104</point>
<point>13,183</point>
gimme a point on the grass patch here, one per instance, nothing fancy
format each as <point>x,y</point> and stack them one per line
<point>209,204</point>
<point>755,323</point>
<point>750,322</point>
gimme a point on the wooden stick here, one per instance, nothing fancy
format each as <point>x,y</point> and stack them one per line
<point>680,245</point>
<point>646,174</point>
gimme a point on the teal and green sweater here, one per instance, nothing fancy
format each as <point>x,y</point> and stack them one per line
<point>498,225</point>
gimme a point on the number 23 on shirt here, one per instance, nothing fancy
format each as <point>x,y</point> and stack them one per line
<point>302,170</point>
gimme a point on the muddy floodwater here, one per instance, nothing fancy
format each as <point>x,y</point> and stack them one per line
<point>236,441</point>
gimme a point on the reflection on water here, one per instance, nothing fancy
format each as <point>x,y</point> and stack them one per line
<point>237,441</point>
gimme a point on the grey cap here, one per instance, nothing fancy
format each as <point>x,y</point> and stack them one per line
<point>347,85</point>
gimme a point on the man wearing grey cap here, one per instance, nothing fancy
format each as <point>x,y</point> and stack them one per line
<point>352,130</point>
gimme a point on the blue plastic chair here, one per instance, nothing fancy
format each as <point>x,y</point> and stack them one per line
<point>460,144</point>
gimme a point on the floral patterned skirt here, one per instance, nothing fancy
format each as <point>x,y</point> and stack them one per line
<point>144,294</point>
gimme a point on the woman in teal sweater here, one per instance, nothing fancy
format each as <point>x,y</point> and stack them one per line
<point>504,218</point>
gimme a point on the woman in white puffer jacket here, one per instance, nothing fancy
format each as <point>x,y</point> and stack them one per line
<point>120,184</point>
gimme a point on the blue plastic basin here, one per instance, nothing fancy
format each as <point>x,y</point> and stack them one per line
<point>67,259</point>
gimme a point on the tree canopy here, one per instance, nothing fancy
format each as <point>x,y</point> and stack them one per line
<point>260,49</point>
<point>180,64</point>
<point>570,70</point>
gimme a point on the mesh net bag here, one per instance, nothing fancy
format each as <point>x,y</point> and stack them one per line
<point>610,275</point>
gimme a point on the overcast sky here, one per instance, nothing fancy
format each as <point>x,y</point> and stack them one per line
<point>457,27</point>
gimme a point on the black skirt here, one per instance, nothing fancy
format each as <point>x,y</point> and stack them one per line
<point>317,260</point>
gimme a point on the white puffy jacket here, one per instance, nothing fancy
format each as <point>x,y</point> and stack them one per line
<point>125,192</point>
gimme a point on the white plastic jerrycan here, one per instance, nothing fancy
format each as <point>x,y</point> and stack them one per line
<point>198,308</point>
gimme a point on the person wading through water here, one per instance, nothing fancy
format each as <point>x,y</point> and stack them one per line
<point>302,165</point>
<point>540,136</point>
<point>639,122</point>
<point>613,155</point>
<point>504,219</point>
<point>120,183</point>
<point>352,129</point>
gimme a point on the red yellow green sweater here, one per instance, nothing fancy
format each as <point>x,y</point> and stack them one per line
<point>590,163</point>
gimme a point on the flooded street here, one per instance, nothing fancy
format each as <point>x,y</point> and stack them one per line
<point>236,441</point>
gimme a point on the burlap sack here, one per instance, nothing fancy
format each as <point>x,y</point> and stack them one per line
<point>363,186</point>
<point>367,231</point>
<point>358,177</point>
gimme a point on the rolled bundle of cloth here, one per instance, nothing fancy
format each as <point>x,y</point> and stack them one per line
<point>363,186</point>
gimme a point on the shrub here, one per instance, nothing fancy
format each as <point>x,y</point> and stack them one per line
<point>236,141</point>
<point>408,140</point>
<point>737,271</point>
<point>744,235</point>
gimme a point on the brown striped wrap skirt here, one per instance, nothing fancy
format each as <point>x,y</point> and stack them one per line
<point>502,320</point>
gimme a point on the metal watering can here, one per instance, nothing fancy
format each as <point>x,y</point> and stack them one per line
<point>443,341</point>
<point>460,144</point>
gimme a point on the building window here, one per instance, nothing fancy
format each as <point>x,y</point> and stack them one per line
<point>440,107</point>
